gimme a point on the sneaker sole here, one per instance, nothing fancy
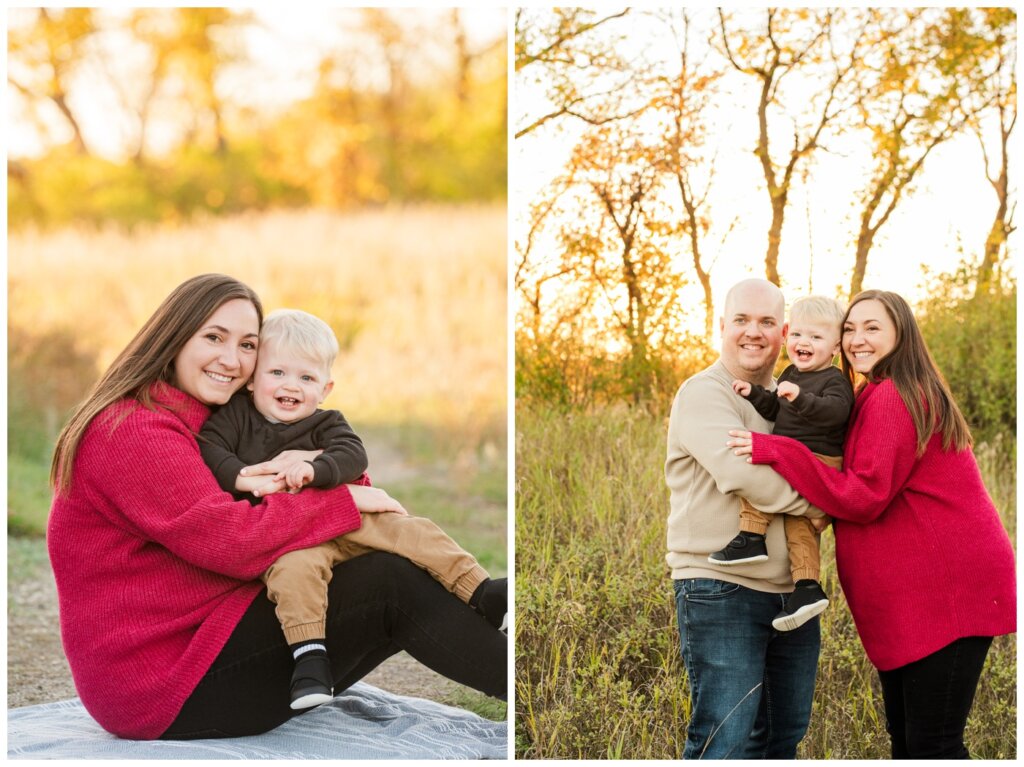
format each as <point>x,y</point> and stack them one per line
<point>309,701</point>
<point>730,562</point>
<point>800,617</point>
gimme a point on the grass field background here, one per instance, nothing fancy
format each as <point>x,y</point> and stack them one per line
<point>598,672</point>
<point>416,296</point>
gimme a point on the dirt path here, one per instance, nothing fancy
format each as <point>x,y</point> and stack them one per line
<point>37,671</point>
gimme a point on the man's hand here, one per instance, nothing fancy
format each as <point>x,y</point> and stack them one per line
<point>373,500</point>
<point>788,390</point>
<point>741,387</point>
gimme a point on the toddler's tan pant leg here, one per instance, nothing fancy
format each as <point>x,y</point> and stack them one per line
<point>802,543</point>
<point>297,584</point>
<point>802,539</point>
<point>424,544</point>
<point>752,520</point>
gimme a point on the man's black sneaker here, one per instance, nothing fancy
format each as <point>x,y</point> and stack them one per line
<point>311,681</point>
<point>807,600</point>
<point>744,548</point>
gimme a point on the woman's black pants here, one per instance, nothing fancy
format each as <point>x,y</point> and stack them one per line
<point>378,604</point>
<point>927,701</point>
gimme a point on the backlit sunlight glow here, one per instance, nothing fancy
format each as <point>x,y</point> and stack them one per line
<point>945,218</point>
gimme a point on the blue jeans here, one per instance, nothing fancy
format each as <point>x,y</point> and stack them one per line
<point>751,686</point>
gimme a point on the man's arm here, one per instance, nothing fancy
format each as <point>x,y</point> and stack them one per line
<point>703,414</point>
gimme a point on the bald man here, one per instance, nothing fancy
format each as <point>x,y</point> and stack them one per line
<point>751,686</point>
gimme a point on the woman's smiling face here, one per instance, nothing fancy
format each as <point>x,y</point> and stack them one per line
<point>220,357</point>
<point>869,334</point>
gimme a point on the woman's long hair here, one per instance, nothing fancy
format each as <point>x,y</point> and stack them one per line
<point>921,386</point>
<point>148,358</point>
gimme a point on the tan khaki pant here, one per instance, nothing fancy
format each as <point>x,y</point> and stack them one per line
<point>297,581</point>
<point>801,537</point>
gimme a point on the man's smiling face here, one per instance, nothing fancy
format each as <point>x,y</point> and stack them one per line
<point>752,330</point>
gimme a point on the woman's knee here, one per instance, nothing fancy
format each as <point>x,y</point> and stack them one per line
<point>382,570</point>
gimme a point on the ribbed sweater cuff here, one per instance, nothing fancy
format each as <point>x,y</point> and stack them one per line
<point>764,448</point>
<point>348,512</point>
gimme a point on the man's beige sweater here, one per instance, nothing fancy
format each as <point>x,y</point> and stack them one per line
<point>706,481</point>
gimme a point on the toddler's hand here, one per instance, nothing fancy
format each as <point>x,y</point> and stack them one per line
<point>788,390</point>
<point>820,523</point>
<point>741,387</point>
<point>297,476</point>
<point>280,463</point>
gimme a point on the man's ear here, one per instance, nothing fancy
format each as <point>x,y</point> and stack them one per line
<point>327,390</point>
<point>785,330</point>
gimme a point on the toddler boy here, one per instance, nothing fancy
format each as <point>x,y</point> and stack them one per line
<point>812,404</point>
<point>280,412</point>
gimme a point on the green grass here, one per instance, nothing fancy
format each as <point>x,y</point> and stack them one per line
<point>28,495</point>
<point>598,672</point>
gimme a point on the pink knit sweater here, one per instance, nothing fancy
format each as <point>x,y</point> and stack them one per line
<point>155,564</point>
<point>922,555</point>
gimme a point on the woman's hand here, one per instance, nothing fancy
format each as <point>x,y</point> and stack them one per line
<point>280,464</point>
<point>373,500</point>
<point>259,484</point>
<point>742,443</point>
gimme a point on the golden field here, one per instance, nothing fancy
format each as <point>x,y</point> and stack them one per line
<point>417,296</point>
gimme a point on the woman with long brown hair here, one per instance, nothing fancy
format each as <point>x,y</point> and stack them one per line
<point>921,553</point>
<point>166,626</point>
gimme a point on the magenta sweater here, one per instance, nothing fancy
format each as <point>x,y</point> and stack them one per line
<point>155,564</point>
<point>922,555</point>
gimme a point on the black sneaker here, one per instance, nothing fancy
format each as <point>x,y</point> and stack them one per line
<point>744,548</point>
<point>311,681</point>
<point>807,600</point>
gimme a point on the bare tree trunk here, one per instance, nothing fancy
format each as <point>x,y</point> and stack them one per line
<point>1001,226</point>
<point>771,256</point>
<point>864,241</point>
<point>76,140</point>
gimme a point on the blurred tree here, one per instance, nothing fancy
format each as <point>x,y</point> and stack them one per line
<point>45,56</point>
<point>467,58</point>
<point>793,40</point>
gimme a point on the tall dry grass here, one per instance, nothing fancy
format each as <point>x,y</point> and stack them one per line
<point>417,296</point>
<point>598,672</point>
